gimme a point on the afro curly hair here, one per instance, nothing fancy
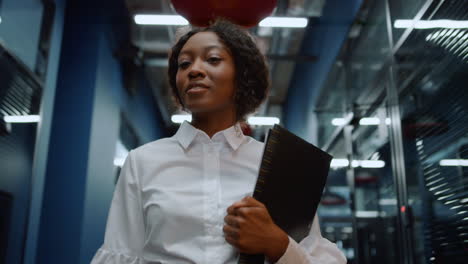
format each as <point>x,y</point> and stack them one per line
<point>252,79</point>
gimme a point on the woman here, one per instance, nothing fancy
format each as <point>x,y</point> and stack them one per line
<point>185,199</point>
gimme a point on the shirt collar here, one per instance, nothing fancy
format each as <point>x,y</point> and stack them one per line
<point>187,133</point>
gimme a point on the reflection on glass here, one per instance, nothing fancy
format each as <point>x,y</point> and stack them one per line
<point>401,9</point>
<point>436,140</point>
<point>434,105</point>
<point>334,210</point>
<point>369,50</point>
<point>331,104</point>
<point>375,197</point>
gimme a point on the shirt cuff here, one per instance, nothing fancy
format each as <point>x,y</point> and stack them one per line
<point>293,254</point>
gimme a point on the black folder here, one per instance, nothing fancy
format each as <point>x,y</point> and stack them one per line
<point>290,183</point>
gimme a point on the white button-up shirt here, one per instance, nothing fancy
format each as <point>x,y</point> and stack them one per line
<point>171,199</point>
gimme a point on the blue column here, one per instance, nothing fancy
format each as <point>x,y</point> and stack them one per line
<point>43,135</point>
<point>89,97</point>
<point>67,165</point>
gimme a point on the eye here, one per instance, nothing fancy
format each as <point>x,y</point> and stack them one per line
<point>184,64</point>
<point>214,60</point>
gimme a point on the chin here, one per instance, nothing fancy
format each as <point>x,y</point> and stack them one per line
<point>199,106</point>
<point>199,110</point>
<point>205,105</point>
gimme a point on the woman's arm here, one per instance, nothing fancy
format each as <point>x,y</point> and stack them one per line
<point>251,230</point>
<point>124,236</point>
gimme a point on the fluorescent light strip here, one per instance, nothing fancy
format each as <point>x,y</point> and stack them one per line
<point>167,20</point>
<point>426,24</point>
<point>338,121</point>
<point>119,162</point>
<point>263,121</point>
<point>181,118</point>
<point>454,162</point>
<point>365,121</point>
<point>372,121</point>
<point>372,163</point>
<point>255,120</point>
<point>369,121</point>
<point>22,119</point>
<point>367,214</point>
<point>176,20</point>
<point>339,163</point>
<point>285,22</point>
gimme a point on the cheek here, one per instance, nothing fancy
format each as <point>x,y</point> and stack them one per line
<point>232,81</point>
<point>228,79</point>
<point>179,83</point>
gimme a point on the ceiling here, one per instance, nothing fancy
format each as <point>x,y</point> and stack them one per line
<point>280,45</point>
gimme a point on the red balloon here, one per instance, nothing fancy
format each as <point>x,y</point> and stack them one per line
<point>244,13</point>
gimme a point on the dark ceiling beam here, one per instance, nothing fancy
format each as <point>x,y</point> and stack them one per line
<point>287,57</point>
<point>135,6</point>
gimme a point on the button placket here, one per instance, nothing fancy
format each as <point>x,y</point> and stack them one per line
<point>218,218</point>
<point>211,188</point>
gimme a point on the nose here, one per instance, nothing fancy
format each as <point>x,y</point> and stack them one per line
<point>196,69</point>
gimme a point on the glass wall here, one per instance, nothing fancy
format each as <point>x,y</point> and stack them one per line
<point>400,115</point>
<point>432,82</point>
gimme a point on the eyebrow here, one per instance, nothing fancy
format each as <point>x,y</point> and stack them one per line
<point>206,49</point>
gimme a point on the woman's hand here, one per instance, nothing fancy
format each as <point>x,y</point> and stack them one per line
<point>249,228</point>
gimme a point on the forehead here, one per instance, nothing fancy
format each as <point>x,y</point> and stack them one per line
<point>203,41</point>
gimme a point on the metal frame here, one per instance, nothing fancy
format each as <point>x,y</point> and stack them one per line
<point>350,178</point>
<point>396,141</point>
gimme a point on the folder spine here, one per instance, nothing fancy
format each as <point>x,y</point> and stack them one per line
<point>265,169</point>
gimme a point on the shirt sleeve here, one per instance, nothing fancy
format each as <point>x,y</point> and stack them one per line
<point>124,238</point>
<point>312,249</point>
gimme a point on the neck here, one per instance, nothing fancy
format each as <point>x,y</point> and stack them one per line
<point>211,123</point>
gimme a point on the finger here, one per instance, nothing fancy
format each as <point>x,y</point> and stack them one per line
<point>244,211</point>
<point>233,221</point>
<point>247,201</point>
<point>231,240</point>
<point>231,232</point>
<point>249,212</point>
<point>252,202</point>
<point>232,209</point>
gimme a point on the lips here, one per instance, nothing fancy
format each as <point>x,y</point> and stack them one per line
<point>196,85</point>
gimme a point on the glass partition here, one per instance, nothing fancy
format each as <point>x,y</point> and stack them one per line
<point>335,212</point>
<point>432,80</point>
<point>375,189</point>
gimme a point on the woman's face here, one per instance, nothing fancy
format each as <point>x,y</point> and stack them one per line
<point>205,75</point>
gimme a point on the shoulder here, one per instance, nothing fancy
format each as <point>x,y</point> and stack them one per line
<point>252,147</point>
<point>163,143</point>
<point>253,143</point>
<point>156,149</point>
